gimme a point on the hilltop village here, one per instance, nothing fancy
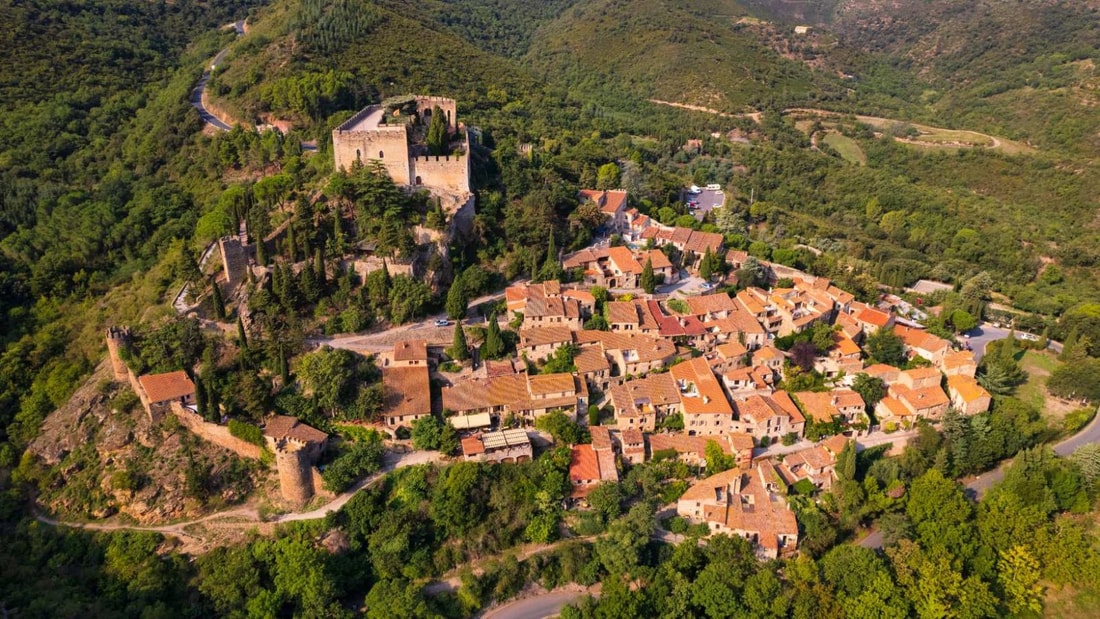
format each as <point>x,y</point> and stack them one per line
<point>656,348</point>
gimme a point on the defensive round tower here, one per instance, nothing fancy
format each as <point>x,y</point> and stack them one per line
<point>117,339</point>
<point>295,477</point>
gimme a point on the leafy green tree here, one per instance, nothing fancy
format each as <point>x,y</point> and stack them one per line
<point>561,362</point>
<point>608,176</point>
<point>329,375</point>
<point>593,415</point>
<point>606,500</point>
<point>717,460</point>
<point>620,549</point>
<point>963,321</point>
<point>706,265</point>
<point>885,346</point>
<point>561,427</point>
<point>870,388</point>
<point>459,350</point>
<point>361,458</point>
<point>846,462</point>
<point>648,280</point>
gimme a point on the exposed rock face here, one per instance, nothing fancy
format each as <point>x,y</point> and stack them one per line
<point>107,462</point>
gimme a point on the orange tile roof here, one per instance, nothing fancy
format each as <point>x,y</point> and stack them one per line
<point>786,404</point>
<point>616,200</point>
<point>818,405</point>
<point>917,338</point>
<point>466,396</point>
<point>731,350</point>
<point>407,390</point>
<point>167,386</point>
<point>279,427</point>
<point>624,259</point>
<point>472,446</point>
<point>622,312</point>
<point>835,444</point>
<point>601,437</point>
<point>921,399</point>
<point>633,436</point>
<point>632,396</point>
<point>967,388</point>
<point>962,358</point>
<point>657,257</point>
<point>544,384</point>
<point>583,296</point>
<point>894,407</point>
<point>844,345</point>
<point>873,316</point>
<point>541,336</point>
<point>711,304</point>
<point>918,374</point>
<point>709,396</point>
<point>410,350</point>
<point>591,359</point>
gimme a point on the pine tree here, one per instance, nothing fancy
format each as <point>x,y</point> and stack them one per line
<point>200,397</point>
<point>307,283</point>
<point>493,348</point>
<point>242,338</point>
<point>649,281</point>
<point>261,253</point>
<point>291,244</point>
<point>219,302</point>
<point>457,303</point>
<point>437,133</point>
<point>460,350</point>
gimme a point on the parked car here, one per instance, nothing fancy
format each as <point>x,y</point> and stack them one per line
<point>714,187</point>
<point>707,286</point>
<point>442,322</point>
<point>695,190</point>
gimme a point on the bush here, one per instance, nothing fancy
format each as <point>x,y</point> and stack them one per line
<point>1078,419</point>
<point>676,524</point>
<point>450,366</point>
<point>246,432</point>
<point>361,459</point>
<point>765,440</point>
<point>790,438</point>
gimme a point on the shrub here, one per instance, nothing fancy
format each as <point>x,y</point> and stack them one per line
<point>361,459</point>
<point>890,427</point>
<point>450,366</point>
<point>790,438</point>
<point>676,524</point>
<point>1078,419</point>
<point>246,432</point>
<point>765,440</point>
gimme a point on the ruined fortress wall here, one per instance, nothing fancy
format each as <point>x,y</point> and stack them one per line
<point>390,145</point>
<point>295,473</point>
<point>212,432</point>
<point>234,260</point>
<point>425,106</point>
<point>117,338</point>
<point>450,173</point>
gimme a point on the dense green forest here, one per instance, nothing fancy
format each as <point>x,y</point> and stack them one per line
<point>109,189</point>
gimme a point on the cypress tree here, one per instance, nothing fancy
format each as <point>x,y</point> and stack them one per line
<point>706,266</point>
<point>649,280</point>
<point>242,338</point>
<point>460,350</point>
<point>493,348</point>
<point>457,303</point>
<point>261,253</point>
<point>291,244</point>
<point>319,266</point>
<point>200,397</point>
<point>551,269</point>
<point>219,302</point>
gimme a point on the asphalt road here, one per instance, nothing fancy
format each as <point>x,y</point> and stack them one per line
<point>200,87</point>
<point>538,607</point>
<point>985,333</point>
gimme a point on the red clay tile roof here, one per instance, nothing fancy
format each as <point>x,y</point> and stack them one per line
<point>410,350</point>
<point>406,391</point>
<point>472,446</point>
<point>707,395</point>
<point>167,386</point>
<point>279,427</point>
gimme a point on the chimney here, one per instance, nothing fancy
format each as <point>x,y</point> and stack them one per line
<point>706,399</point>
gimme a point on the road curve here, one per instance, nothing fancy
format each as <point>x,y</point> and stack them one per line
<point>200,88</point>
<point>538,607</point>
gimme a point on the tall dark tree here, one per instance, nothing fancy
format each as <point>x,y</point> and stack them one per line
<point>493,347</point>
<point>437,133</point>
<point>551,268</point>
<point>242,337</point>
<point>456,305</point>
<point>219,302</point>
<point>460,350</point>
<point>649,280</point>
<point>319,266</point>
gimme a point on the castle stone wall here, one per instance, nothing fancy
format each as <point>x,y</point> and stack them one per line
<point>450,173</point>
<point>118,338</point>
<point>390,145</point>
<point>234,260</point>
<point>426,105</point>
<point>214,433</point>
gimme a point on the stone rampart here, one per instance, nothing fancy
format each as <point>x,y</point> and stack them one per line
<point>451,173</point>
<point>214,433</point>
<point>387,144</point>
<point>295,472</point>
<point>426,105</point>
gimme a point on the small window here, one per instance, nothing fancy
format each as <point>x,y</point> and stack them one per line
<point>358,155</point>
<point>381,155</point>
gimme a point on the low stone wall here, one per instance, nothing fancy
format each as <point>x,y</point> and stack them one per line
<point>214,433</point>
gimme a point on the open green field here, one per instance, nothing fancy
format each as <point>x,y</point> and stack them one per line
<point>1071,604</point>
<point>846,146</point>
<point>1038,366</point>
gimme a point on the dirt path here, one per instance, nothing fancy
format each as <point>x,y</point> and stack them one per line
<point>249,517</point>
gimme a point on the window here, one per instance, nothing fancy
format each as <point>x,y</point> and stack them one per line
<point>358,155</point>
<point>381,155</point>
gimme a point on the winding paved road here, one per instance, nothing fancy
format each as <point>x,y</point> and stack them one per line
<point>200,88</point>
<point>537,607</point>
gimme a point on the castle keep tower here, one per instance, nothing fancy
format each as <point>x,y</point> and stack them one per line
<point>295,476</point>
<point>117,339</point>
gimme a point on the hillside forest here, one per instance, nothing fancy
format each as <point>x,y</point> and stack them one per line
<point>111,188</point>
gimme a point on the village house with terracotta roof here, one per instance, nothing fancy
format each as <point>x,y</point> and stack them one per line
<point>729,356</point>
<point>631,354</point>
<point>406,395</point>
<point>843,356</point>
<point>745,381</point>
<point>692,449</point>
<point>773,415</point>
<point>816,464</point>
<point>967,396</point>
<point>407,354</point>
<point>870,319</point>
<point>745,502</point>
<point>921,343</point>
<point>280,430</point>
<point>159,391</point>
<point>712,306</point>
<point>703,401</point>
<point>959,363</point>
<point>619,267</point>
<point>593,366</point>
<point>592,464</point>
<point>633,444</point>
<point>525,396</point>
<point>843,405</point>
<point>643,402</point>
<point>539,343</point>
<point>612,204</point>
<point>739,326</point>
<point>504,446</point>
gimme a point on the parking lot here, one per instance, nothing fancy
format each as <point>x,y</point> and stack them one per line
<point>707,199</point>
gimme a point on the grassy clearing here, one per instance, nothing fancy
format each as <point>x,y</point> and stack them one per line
<point>1038,366</point>
<point>1071,604</point>
<point>847,147</point>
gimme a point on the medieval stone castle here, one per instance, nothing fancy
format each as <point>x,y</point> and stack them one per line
<point>388,133</point>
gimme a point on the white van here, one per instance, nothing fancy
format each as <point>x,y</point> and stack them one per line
<point>695,189</point>
<point>714,187</point>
